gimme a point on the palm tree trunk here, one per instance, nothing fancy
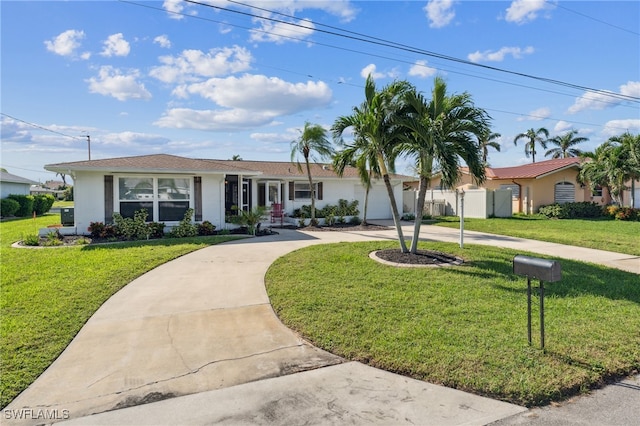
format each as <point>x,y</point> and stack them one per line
<point>313,193</point>
<point>422,191</point>
<point>367,188</point>
<point>392,200</point>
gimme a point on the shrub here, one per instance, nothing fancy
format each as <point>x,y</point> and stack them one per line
<point>42,203</point>
<point>31,240</point>
<point>409,216</point>
<point>156,229</point>
<point>582,209</point>
<point>206,228</point>
<point>627,214</point>
<point>344,208</point>
<point>185,228</point>
<point>132,228</point>
<point>355,220</point>
<point>54,238</point>
<point>68,193</point>
<point>100,230</point>
<point>249,218</point>
<point>8,207</point>
<point>26,204</point>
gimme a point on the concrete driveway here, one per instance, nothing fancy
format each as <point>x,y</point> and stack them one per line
<point>197,342</point>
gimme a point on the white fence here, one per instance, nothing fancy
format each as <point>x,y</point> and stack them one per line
<point>478,203</point>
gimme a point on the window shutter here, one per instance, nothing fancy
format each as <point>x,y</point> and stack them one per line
<point>319,190</point>
<point>108,199</point>
<point>197,198</point>
<point>292,190</point>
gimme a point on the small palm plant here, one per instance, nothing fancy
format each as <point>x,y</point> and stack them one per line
<point>249,218</point>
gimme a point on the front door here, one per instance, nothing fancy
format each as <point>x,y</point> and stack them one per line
<point>272,193</point>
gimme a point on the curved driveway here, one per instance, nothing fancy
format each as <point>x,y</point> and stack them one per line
<point>198,334</point>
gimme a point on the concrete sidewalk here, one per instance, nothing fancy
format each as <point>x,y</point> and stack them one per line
<point>198,335</point>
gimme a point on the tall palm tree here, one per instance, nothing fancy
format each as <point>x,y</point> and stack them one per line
<point>314,146</point>
<point>358,154</point>
<point>373,123</point>
<point>442,131</point>
<point>532,136</point>
<point>627,151</point>
<point>612,164</point>
<point>486,140</point>
<point>565,145</point>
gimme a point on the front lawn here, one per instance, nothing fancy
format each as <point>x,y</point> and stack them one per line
<point>464,327</point>
<point>48,294</point>
<point>603,234</point>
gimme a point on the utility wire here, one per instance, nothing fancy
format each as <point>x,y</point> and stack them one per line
<point>40,127</point>
<point>596,19</point>
<point>359,52</point>
<point>372,40</point>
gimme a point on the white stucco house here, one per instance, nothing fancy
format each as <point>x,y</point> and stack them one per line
<point>167,185</point>
<point>12,184</point>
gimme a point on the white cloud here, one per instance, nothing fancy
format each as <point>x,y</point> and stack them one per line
<point>112,82</point>
<point>536,115</point>
<point>522,11</point>
<point>371,69</point>
<point>116,45</point>
<point>280,32</point>
<point>174,7</point>
<point>439,12</point>
<point>499,55</point>
<point>246,102</point>
<point>562,126</point>
<point>191,64</point>
<point>618,127</point>
<point>599,100</point>
<point>65,43</point>
<point>132,139</point>
<point>163,41</point>
<point>420,69</point>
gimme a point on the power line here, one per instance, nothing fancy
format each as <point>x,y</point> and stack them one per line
<point>39,127</point>
<point>385,43</point>
<point>596,19</point>
<point>604,92</point>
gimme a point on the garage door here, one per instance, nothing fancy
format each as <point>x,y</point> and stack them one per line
<point>636,198</point>
<point>378,207</point>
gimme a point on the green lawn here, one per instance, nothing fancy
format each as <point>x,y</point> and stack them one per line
<point>464,327</point>
<point>611,235</point>
<point>48,294</point>
<point>62,204</point>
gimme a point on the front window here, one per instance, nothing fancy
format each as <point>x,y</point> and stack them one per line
<point>303,190</point>
<point>164,199</point>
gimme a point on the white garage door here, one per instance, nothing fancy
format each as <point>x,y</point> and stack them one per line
<point>378,207</point>
<point>636,198</point>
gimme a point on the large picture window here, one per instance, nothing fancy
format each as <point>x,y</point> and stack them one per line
<point>165,199</point>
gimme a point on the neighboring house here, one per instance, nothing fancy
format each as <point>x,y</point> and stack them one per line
<point>42,190</point>
<point>167,185</point>
<point>12,184</point>
<point>537,184</point>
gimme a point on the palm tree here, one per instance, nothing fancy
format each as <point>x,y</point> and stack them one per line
<point>627,150</point>
<point>613,164</point>
<point>442,131</point>
<point>359,155</point>
<point>533,136</point>
<point>486,140</point>
<point>565,145</point>
<point>374,126</point>
<point>236,157</point>
<point>313,145</point>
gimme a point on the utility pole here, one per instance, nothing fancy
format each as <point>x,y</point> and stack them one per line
<point>89,146</point>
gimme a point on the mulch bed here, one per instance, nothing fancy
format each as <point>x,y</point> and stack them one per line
<point>343,228</point>
<point>422,257</point>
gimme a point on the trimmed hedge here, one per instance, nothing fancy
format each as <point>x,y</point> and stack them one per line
<point>583,209</point>
<point>26,204</point>
<point>42,203</point>
<point>8,207</point>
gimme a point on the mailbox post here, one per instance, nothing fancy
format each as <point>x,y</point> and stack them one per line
<point>540,269</point>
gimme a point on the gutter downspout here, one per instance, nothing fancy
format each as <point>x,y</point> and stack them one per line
<point>519,195</point>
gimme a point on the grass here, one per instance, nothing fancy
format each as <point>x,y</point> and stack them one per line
<point>603,234</point>
<point>62,204</point>
<point>47,295</point>
<point>464,327</point>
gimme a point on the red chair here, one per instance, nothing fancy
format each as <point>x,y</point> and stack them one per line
<point>277,212</point>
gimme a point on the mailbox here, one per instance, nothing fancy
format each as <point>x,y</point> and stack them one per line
<point>536,268</point>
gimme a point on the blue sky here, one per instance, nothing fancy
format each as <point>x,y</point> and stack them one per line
<point>186,79</point>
